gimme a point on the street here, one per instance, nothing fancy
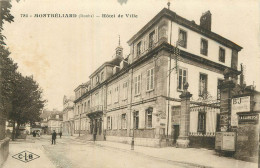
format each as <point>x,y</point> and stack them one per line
<point>68,152</point>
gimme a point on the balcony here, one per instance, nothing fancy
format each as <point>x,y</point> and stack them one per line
<point>98,108</point>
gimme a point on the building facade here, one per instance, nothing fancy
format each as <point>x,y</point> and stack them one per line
<point>137,96</point>
<point>68,116</point>
<point>51,120</point>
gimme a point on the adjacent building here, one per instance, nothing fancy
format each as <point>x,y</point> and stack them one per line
<point>138,95</point>
<point>68,116</point>
<point>51,120</point>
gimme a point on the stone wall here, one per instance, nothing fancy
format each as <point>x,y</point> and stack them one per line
<point>4,150</point>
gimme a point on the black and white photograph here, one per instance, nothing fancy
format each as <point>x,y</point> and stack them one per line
<point>129,84</point>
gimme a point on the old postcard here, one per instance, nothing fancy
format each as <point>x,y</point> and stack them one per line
<point>129,84</point>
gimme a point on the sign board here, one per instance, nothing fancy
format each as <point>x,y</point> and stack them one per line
<point>239,104</point>
<point>248,119</point>
<point>218,140</point>
<point>225,141</point>
<point>228,141</point>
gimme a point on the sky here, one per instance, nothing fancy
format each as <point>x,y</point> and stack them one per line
<point>61,53</point>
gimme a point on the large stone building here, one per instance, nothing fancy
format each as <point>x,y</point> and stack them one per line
<point>68,116</point>
<point>138,95</point>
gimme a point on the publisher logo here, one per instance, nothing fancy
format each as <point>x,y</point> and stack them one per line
<point>26,156</point>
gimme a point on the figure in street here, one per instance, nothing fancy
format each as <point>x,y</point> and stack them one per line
<point>60,134</point>
<point>53,142</point>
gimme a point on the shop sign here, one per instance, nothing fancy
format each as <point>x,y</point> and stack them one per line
<point>239,104</point>
<point>248,118</point>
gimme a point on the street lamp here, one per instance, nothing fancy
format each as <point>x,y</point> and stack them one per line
<point>79,123</point>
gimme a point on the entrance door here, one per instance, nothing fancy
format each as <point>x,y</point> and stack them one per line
<point>176,132</point>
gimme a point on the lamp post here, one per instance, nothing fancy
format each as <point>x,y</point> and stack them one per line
<point>79,123</point>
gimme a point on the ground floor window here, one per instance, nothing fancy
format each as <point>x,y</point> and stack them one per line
<point>202,122</point>
<point>123,121</point>
<point>149,117</point>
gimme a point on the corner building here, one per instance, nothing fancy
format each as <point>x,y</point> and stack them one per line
<point>138,96</point>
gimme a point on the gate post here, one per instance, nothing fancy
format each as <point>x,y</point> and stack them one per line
<point>183,139</point>
<point>225,101</point>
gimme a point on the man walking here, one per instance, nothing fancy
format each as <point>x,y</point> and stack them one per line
<point>53,136</point>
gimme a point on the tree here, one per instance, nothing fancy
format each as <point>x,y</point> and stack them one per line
<point>27,102</point>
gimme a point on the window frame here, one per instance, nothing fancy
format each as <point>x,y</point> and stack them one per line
<point>139,48</point>
<point>150,79</point>
<point>147,124</point>
<point>202,49</point>
<point>185,41</point>
<point>178,78</point>
<point>124,92</point>
<point>136,122</point>
<point>151,39</point>
<point>123,121</point>
<point>220,57</point>
<point>137,84</point>
<point>203,129</point>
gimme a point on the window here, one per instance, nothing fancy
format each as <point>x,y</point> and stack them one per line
<point>204,47</point>
<point>124,91</point>
<point>85,107</point>
<point>109,97</point>
<point>139,48</point>
<point>182,78</point>
<point>218,90</point>
<point>136,119</point>
<point>123,121</point>
<point>221,54</point>
<point>116,94</point>
<point>151,39</point>
<point>150,79</point>
<point>202,122</point>
<point>182,38</point>
<point>108,123</point>
<point>149,117</point>
<point>97,79</point>
<point>137,81</point>
<point>78,109</point>
<point>203,84</point>
<point>57,116</point>
<point>102,76</point>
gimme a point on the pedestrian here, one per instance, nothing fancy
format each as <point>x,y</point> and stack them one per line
<point>34,134</point>
<point>60,134</point>
<point>53,136</point>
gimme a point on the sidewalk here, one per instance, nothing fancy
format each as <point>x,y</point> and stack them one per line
<point>190,156</point>
<point>18,146</point>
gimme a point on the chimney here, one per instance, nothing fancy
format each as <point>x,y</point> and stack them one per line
<point>205,20</point>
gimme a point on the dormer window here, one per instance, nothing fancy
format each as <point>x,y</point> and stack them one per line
<point>151,39</point>
<point>102,76</point>
<point>221,54</point>
<point>182,38</point>
<point>97,79</point>
<point>139,48</point>
<point>204,47</point>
